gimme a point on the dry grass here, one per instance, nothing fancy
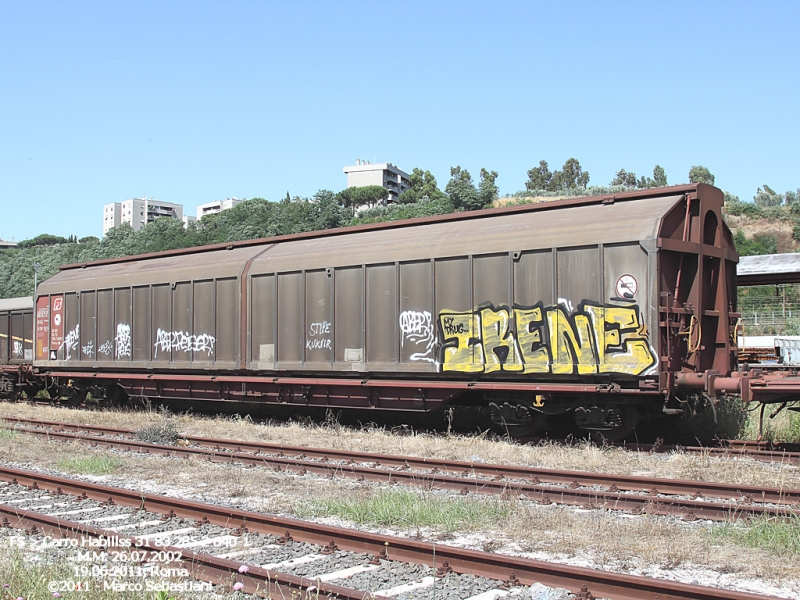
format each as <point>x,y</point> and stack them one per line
<point>453,447</point>
<point>593,538</point>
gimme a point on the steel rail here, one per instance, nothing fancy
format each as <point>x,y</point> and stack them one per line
<point>555,476</point>
<point>201,566</point>
<point>436,476</point>
<point>730,449</point>
<point>590,582</point>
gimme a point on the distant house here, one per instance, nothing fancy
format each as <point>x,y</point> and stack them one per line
<point>217,206</point>
<point>137,212</point>
<point>4,244</point>
<point>385,175</point>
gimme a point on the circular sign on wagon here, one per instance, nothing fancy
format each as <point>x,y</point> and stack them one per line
<point>627,286</point>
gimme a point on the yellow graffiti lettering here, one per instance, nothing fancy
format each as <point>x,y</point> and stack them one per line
<point>622,340</point>
<point>530,326</point>
<point>594,339</point>
<point>499,346</point>
<point>572,347</point>
<point>461,353</point>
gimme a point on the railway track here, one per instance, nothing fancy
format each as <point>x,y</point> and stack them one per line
<point>276,555</point>
<point>641,495</point>
<point>761,451</point>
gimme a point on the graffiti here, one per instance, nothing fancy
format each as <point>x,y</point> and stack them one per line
<point>180,341</point>
<point>17,348</point>
<point>106,348</point>
<point>122,341</point>
<point>71,341</point>
<point>554,339</point>
<point>318,344</point>
<point>316,331</point>
<point>418,330</point>
<point>88,349</point>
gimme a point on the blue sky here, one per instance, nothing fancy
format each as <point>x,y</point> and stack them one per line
<point>190,102</point>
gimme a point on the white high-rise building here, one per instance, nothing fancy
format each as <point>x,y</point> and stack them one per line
<point>385,175</point>
<point>138,211</point>
<point>210,208</point>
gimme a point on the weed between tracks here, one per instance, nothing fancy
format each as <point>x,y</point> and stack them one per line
<point>98,464</point>
<point>411,510</point>
<point>780,537</point>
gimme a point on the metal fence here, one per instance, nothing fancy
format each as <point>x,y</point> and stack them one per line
<point>770,309</point>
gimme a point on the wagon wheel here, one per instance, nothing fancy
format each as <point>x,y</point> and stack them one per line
<point>76,398</point>
<point>621,421</point>
<point>515,419</point>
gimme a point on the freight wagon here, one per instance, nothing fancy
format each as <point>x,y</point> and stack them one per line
<point>16,345</point>
<point>608,308</point>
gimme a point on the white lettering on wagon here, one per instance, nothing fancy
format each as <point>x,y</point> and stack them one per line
<point>71,341</point>
<point>417,328</point>
<point>318,332</point>
<point>123,340</point>
<point>181,341</point>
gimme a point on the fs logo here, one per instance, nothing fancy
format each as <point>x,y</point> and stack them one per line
<point>58,303</point>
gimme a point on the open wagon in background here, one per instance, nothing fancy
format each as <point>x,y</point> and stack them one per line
<point>610,309</point>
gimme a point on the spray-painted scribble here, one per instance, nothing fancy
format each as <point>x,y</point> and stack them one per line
<point>554,339</point>
<point>17,348</point>
<point>71,341</point>
<point>88,349</point>
<point>123,340</point>
<point>106,348</point>
<point>418,330</point>
<point>317,333</point>
<point>181,341</point>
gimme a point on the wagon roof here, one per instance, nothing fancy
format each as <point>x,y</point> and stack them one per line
<point>392,225</point>
<point>24,303</point>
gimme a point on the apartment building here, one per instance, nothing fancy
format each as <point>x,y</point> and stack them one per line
<point>387,175</point>
<point>210,208</point>
<point>137,212</point>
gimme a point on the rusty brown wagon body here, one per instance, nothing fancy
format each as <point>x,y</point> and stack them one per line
<point>607,307</point>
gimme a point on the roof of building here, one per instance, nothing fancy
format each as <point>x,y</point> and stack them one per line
<point>766,269</point>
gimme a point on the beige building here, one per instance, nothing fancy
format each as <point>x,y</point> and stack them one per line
<point>137,212</point>
<point>210,208</point>
<point>386,175</point>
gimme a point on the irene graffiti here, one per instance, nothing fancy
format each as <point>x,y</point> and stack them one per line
<point>591,339</point>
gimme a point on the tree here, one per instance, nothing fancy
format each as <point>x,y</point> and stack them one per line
<point>791,198</point>
<point>488,192</point>
<point>628,179</point>
<point>659,176</point>
<point>767,197</point>
<point>760,243</point>
<point>625,178</point>
<point>44,239</point>
<point>539,178</point>
<point>699,174</point>
<point>421,184</point>
<point>570,176</point>
<point>462,190</point>
<point>369,195</point>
